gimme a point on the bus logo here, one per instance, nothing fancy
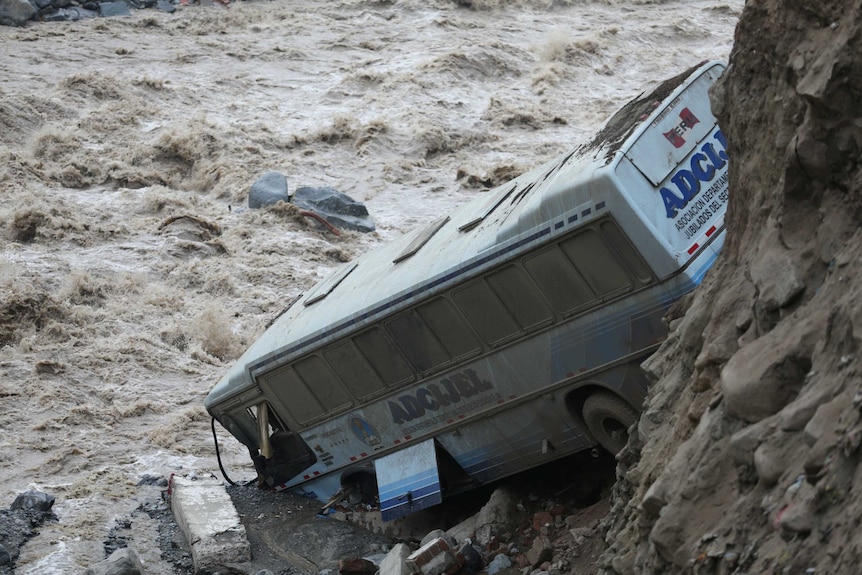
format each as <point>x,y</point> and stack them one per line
<point>364,432</point>
<point>445,392</point>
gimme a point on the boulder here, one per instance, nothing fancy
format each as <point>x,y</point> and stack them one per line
<point>268,190</point>
<point>33,500</point>
<point>71,14</point>
<point>108,9</point>
<point>765,375</point>
<point>337,208</point>
<point>15,12</point>
<point>120,562</point>
<point>497,515</point>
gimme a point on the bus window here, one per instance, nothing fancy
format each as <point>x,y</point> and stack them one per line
<point>596,263</point>
<point>354,370</point>
<point>561,283</point>
<point>433,335</point>
<point>520,297</point>
<point>451,329</point>
<point>384,356</point>
<point>322,382</point>
<point>502,305</point>
<point>294,394</point>
<point>419,343</point>
<point>485,312</point>
<point>633,261</point>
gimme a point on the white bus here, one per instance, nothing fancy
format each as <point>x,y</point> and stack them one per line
<point>503,336</point>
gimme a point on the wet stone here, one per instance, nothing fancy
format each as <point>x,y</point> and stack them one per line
<point>337,208</point>
<point>72,14</point>
<point>120,562</point>
<point>35,500</point>
<point>109,9</point>
<point>268,190</point>
<point>15,12</point>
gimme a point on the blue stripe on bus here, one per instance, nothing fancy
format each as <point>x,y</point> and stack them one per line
<point>408,507</point>
<point>413,482</point>
<point>415,495</point>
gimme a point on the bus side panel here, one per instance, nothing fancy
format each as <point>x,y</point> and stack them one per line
<point>482,451</point>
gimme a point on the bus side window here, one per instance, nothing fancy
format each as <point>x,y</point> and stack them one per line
<point>294,394</point>
<point>453,332</point>
<point>633,261</point>
<point>485,312</point>
<point>596,263</point>
<point>559,281</point>
<point>419,343</point>
<point>382,353</point>
<point>520,297</point>
<point>433,335</point>
<point>503,304</point>
<point>354,370</point>
<point>322,382</point>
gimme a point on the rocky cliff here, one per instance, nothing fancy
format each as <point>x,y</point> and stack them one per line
<point>745,459</point>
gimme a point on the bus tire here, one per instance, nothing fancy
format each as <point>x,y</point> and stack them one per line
<point>608,417</point>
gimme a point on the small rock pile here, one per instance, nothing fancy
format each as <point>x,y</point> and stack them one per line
<point>503,538</point>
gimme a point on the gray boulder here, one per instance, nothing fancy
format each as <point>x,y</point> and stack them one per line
<point>15,12</point>
<point>120,562</point>
<point>108,9</point>
<point>338,209</point>
<point>71,14</point>
<point>268,190</point>
<point>33,500</point>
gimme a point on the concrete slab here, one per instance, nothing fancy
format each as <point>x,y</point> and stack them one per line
<point>207,517</point>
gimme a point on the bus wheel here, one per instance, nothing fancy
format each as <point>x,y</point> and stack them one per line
<point>608,418</point>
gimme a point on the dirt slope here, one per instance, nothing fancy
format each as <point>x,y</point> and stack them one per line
<point>746,456</point>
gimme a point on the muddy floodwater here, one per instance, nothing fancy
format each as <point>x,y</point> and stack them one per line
<point>131,272</point>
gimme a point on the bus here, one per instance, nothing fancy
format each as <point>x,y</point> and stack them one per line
<point>497,338</point>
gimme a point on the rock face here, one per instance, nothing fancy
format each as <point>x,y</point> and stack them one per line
<point>749,443</point>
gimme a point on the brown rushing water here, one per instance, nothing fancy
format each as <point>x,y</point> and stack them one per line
<point>114,327</point>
